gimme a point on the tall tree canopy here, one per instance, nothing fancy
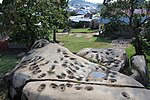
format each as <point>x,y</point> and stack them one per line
<point>28,20</point>
<point>127,9</point>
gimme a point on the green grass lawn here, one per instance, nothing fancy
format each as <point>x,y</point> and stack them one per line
<point>80,30</point>
<point>75,44</point>
<point>7,61</point>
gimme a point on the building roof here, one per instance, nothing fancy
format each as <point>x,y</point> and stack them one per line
<point>79,18</point>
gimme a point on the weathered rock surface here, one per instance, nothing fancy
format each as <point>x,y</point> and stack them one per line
<point>140,69</point>
<point>40,43</point>
<point>121,43</point>
<point>114,59</point>
<point>21,55</point>
<point>54,73</point>
<point>56,90</point>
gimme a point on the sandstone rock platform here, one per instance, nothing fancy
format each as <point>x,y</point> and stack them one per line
<point>52,72</point>
<point>114,59</point>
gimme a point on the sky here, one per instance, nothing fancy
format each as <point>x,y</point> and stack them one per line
<point>96,1</point>
<point>0,1</point>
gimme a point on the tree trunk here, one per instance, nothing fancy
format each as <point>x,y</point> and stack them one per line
<point>54,36</point>
<point>131,12</point>
<point>138,45</point>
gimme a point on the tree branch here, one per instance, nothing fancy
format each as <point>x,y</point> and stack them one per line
<point>144,21</point>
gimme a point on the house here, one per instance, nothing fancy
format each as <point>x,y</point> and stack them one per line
<point>98,22</point>
<point>88,15</point>
<point>80,21</point>
<point>101,22</point>
<point>94,24</point>
<point>82,12</point>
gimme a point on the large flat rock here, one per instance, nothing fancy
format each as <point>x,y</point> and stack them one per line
<point>44,73</point>
<point>111,58</point>
<point>59,90</point>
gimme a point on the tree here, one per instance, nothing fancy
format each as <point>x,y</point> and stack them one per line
<point>28,20</point>
<point>126,8</point>
<point>59,16</point>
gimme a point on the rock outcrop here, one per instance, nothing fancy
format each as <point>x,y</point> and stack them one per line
<point>140,69</point>
<point>40,43</point>
<point>113,59</point>
<point>54,73</point>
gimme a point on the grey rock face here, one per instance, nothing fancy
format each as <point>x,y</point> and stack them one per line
<point>57,90</point>
<point>40,43</point>
<point>114,59</point>
<point>21,55</point>
<point>140,69</point>
<point>54,73</point>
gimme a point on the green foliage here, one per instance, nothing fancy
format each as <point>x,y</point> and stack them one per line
<point>125,9</point>
<point>29,20</point>
<point>112,27</point>
<point>72,13</point>
<point>113,11</point>
<point>146,43</point>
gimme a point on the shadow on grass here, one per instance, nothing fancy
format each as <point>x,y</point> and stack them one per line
<point>96,30</point>
<point>102,39</point>
<point>8,60</point>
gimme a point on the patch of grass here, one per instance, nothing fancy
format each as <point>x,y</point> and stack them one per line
<point>130,51</point>
<point>83,30</point>
<point>75,44</point>
<point>60,30</point>
<point>80,30</point>
<point>7,62</point>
